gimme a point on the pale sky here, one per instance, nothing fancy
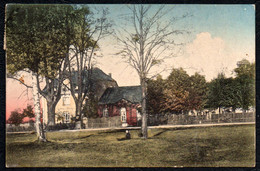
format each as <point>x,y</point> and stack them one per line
<point>220,36</point>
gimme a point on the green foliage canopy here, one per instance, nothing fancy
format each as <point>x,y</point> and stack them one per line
<point>36,38</point>
<point>178,93</point>
<point>17,117</point>
<point>245,84</point>
<point>238,92</point>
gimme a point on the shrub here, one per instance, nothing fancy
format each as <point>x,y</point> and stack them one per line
<point>16,118</point>
<point>61,126</point>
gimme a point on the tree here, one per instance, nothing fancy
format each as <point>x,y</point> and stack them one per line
<point>155,96</point>
<point>215,97</point>
<point>15,118</point>
<point>35,42</point>
<point>238,92</point>
<point>181,93</point>
<point>197,92</point>
<point>90,107</point>
<point>245,84</point>
<point>222,92</point>
<point>28,112</point>
<point>54,64</point>
<point>89,29</point>
<point>176,94</point>
<point>146,43</point>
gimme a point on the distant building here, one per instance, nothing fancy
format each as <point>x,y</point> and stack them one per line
<point>65,108</point>
<point>123,102</point>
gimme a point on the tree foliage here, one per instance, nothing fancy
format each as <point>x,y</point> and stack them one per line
<point>17,117</point>
<point>37,41</point>
<point>184,92</point>
<point>197,92</point>
<point>238,92</point>
<point>28,112</point>
<point>245,84</point>
<point>179,93</point>
<point>35,38</point>
<point>155,95</point>
<point>222,92</point>
<point>89,28</point>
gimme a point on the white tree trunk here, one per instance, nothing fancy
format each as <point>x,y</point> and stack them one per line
<point>37,110</point>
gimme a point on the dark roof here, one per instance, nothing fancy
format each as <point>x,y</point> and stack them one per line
<point>95,75</point>
<point>112,95</point>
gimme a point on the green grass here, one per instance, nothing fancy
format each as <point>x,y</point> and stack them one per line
<point>226,146</point>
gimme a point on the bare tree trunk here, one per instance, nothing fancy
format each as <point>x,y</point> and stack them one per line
<point>36,99</point>
<point>144,114</point>
<point>218,113</point>
<point>51,114</point>
<point>79,121</point>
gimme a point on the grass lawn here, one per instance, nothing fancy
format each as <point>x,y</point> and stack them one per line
<point>224,146</point>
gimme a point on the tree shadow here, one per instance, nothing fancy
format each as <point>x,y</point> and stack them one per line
<point>110,132</point>
<point>161,132</point>
<point>122,139</point>
<point>83,137</point>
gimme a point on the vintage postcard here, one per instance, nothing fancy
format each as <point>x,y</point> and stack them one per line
<point>130,85</point>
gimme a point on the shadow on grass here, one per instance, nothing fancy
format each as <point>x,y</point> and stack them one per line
<point>122,139</point>
<point>161,132</point>
<point>111,131</point>
<point>84,137</point>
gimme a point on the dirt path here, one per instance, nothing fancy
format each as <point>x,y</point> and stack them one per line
<point>149,127</point>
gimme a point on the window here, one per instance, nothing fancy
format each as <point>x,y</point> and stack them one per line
<point>66,100</point>
<point>105,112</point>
<point>123,114</point>
<point>66,117</point>
<point>139,116</point>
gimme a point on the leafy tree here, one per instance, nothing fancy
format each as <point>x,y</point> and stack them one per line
<point>28,112</point>
<point>155,95</point>
<point>197,92</point>
<point>179,93</point>
<point>90,108</point>
<point>15,118</point>
<point>215,97</point>
<point>222,92</point>
<point>21,39</point>
<point>176,94</point>
<point>89,29</point>
<point>36,41</point>
<point>245,82</point>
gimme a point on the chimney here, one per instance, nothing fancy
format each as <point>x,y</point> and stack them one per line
<point>110,75</point>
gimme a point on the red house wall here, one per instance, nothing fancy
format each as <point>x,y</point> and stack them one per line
<point>114,110</point>
<point>132,117</point>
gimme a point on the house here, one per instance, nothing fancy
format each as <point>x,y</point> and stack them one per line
<point>65,108</point>
<point>123,102</point>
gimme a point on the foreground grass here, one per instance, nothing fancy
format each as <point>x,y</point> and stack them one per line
<point>193,147</point>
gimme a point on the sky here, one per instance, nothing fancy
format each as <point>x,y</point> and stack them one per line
<point>220,36</point>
